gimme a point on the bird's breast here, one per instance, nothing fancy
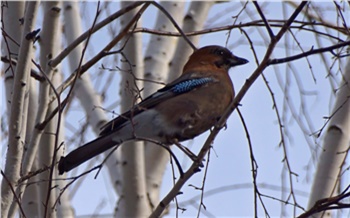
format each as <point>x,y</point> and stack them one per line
<point>186,116</point>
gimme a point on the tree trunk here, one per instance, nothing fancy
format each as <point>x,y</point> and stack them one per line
<point>334,148</point>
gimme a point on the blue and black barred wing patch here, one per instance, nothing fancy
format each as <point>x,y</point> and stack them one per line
<point>177,88</point>
<point>173,89</point>
<point>188,85</point>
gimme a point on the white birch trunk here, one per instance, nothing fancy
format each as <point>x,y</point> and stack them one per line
<point>133,201</point>
<point>193,21</point>
<point>83,89</point>
<point>19,107</point>
<point>12,13</point>
<point>334,148</point>
<point>159,52</point>
<point>64,208</point>
<point>30,202</point>
<point>50,45</point>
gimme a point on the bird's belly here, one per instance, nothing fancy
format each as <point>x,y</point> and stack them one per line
<point>147,125</point>
<point>153,125</point>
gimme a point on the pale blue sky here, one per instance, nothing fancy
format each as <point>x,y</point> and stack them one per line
<point>230,159</point>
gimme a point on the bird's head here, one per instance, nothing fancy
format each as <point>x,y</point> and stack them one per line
<point>213,56</point>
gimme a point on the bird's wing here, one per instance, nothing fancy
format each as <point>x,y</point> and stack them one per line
<point>179,86</point>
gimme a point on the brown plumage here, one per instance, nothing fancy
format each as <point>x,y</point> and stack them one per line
<point>181,110</point>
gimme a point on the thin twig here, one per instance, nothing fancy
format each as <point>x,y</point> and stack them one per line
<point>330,203</point>
<point>257,23</point>
<point>312,51</point>
<point>54,62</point>
<point>81,70</point>
<point>267,25</point>
<point>18,201</point>
<point>194,168</point>
<point>175,24</point>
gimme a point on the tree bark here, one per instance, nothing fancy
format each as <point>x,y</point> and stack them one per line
<point>335,146</point>
<point>19,107</point>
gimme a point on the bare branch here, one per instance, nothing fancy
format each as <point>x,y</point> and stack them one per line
<point>312,51</point>
<point>195,166</point>
<point>331,203</point>
<point>54,62</point>
<point>81,70</point>
<point>175,24</point>
<point>269,30</point>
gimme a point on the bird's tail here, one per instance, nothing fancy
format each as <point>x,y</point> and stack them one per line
<point>85,153</point>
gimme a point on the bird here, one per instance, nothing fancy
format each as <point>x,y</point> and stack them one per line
<point>181,110</point>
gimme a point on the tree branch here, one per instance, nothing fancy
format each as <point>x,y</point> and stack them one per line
<point>330,203</point>
<point>194,168</point>
<point>308,53</point>
<point>267,25</point>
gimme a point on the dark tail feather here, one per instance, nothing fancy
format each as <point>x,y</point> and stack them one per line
<point>85,153</point>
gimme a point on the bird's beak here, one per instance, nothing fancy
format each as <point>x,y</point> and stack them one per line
<point>234,61</point>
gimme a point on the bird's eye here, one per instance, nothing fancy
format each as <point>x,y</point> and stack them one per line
<point>220,52</point>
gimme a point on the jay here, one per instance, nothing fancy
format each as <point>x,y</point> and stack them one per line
<point>182,110</point>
